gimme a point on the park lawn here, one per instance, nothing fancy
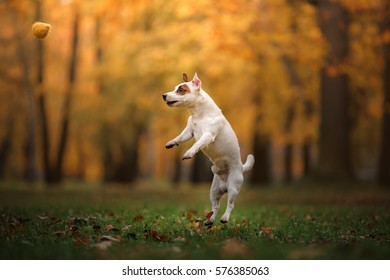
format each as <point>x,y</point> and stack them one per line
<point>157,221</point>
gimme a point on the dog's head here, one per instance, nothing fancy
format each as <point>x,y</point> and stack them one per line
<point>184,94</point>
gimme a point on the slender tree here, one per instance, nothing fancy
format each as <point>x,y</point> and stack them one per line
<point>42,108</point>
<point>334,148</point>
<point>384,157</point>
<point>30,146</point>
<point>65,118</point>
<point>261,172</point>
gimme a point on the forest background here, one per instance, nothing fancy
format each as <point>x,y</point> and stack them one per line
<point>304,84</point>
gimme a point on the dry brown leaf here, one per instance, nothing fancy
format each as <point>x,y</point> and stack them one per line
<point>138,218</point>
<point>110,227</point>
<point>245,222</point>
<point>69,223</point>
<point>209,214</point>
<point>213,229</point>
<point>81,240</point>
<point>190,213</point>
<point>308,217</point>
<point>267,231</point>
<point>179,238</point>
<point>155,235</point>
<point>110,238</point>
<point>126,228</point>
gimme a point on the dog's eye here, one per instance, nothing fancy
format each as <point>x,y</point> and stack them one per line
<point>180,89</point>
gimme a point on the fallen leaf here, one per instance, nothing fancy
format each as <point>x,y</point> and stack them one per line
<point>196,225</point>
<point>209,214</point>
<point>213,229</point>
<point>42,218</point>
<point>190,213</point>
<point>155,235</point>
<point>110,227</point>
<point>126,228</point>
<point>308,217</point>
<point>110,238</point>
<point>81,240</point>
<point>179,238</point>
<point>267,231</point>
<point>69,223</point>
<point>138,218</point>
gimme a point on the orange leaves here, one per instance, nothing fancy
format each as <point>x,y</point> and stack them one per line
<point>155,235</point>
<point>214,229</point>
<point>209,214</point>
<point>267,231</point>
<point>138,218</point>
<point>189,214</point>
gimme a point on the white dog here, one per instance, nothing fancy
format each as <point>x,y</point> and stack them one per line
<point>215,137</point>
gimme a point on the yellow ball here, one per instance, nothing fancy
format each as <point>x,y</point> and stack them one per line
<point>41,29</point>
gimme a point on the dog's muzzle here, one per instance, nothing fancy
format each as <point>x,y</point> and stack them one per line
<point>169,103</point>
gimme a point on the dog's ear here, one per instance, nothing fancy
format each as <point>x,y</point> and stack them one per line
<point>196,81</point>
<point>185,77</point>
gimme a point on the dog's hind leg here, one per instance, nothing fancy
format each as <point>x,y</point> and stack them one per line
<point>216,193</point>
<point>234,183</point>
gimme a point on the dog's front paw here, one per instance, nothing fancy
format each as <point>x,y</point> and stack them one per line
<point>171,144</point>
<point>189,154</point>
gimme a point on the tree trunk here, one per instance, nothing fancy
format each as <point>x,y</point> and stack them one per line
<point>42,110</point>
<point>67,101</point>
<point>261,173</point>
<point>30,147</point>
<point>201,169</point>
<point>306,157</point>
<point>6,143</point>
<point>334,149</point>
<point>384,156</point>
<point>123,168</point>
<point>288,163</point>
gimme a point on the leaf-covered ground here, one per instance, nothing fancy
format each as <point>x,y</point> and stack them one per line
<point>156,221</point>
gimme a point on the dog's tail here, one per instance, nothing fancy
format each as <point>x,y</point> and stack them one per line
<point>250,161</point>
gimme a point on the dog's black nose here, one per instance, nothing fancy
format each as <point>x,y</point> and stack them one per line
<point>164,96</point>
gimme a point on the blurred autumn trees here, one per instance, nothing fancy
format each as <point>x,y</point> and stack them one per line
<point>305,85</point>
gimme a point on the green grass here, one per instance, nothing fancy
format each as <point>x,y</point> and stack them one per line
<point>155,221</point>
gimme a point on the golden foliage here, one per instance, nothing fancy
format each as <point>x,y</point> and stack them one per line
<point>133,51</point>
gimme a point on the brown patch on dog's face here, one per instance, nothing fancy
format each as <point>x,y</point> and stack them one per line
<point>183,89</point>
